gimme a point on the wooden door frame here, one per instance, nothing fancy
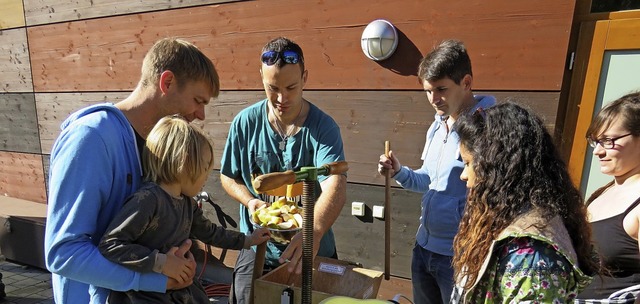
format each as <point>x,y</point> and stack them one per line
<point>596,37</point>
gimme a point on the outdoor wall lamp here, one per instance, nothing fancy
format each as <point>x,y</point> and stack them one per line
<point>379,40</point>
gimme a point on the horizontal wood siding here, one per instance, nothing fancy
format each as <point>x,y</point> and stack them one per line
<point>54,108</point>
<point>366,120</point>
<point>52,11</point>
<point>22,176</point>
<point>514,45</point>
<point>15,72</point>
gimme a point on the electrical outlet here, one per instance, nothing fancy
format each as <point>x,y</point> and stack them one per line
<point>378,212</point>
<point>357,208</point>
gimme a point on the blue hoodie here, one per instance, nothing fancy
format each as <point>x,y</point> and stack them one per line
<point>94,167</point>
<point>445,194</point>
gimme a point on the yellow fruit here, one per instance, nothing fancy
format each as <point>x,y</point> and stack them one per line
<point>275,220</point>
<point>255,218</point>
<point>281,214</point>
<point>294,209</point>
<point>298,219</point>
<point>275,212</point>
<point>286,225</point>
<point>264,218</point>
<point>285,209</point>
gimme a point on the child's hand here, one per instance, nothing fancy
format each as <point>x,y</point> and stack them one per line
<point>259,236</point>
<point>178,268</point>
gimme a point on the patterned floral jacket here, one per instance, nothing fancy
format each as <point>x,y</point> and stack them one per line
<point>527,264</point>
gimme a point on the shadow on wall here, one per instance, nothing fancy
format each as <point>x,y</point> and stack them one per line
<point>406,58</point>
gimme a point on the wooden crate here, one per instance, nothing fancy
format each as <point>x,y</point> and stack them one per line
<point>22,225</point>
<point>331,277</point>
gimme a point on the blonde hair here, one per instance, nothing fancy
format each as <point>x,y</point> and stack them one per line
<point>174,150</point>
<point>184,59</point>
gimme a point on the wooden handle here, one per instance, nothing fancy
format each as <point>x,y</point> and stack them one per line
<point>258,265</point>
<point>338,167</point>
<point>387,218</point>
<point>270,181</point>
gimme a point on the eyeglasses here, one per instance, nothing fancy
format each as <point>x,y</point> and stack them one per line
<point>607,143</point>
<point>290,57</point>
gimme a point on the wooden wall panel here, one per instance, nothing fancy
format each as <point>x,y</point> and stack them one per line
<point>54,108</point>
<point>46,164</point>
<point>18,123</point>
<point>366,119</point>
<point>514,45</point>
<point>52,11</point>
<point>15,72</point>
<point>357,239</point>
<point>12,14</point>
<point>21,176</point>
<point>363,240</point>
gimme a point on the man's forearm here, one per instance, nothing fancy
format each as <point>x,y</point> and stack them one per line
<point>236,189</point>
<point>330,202</point>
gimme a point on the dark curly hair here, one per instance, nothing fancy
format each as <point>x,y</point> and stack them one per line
<point>517,169</point>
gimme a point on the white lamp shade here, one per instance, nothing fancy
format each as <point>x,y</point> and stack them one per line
<point>379,40</point>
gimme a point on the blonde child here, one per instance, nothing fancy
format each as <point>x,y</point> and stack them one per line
<point>177,160</point>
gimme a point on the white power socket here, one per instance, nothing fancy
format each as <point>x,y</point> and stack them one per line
<point>378,212</point>
<point>357,208</point>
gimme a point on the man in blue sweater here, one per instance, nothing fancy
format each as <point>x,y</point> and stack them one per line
<point>95,166</point>
<point>446,76</point>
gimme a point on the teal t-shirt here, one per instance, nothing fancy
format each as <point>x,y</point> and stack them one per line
<point>253,147</point>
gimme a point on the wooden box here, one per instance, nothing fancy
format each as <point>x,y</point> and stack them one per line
<point>331,277</point>
<point>22,225</point>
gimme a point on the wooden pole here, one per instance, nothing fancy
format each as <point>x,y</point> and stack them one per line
<point>258,265</point>
<point>387,218</point>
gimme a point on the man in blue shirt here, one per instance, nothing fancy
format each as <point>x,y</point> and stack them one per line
<point>445,74</point>
<point>95,166</point>
<point>282,132</point>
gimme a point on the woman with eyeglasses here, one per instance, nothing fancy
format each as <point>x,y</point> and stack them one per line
<point>524,236</point>
<point>614,209</point>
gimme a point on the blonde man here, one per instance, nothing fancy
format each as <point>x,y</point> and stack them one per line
<point>95,166</point>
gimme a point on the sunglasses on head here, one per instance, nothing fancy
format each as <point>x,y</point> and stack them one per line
<point>289,57</point>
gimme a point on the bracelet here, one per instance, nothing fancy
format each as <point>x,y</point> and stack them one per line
<point>247,203</point>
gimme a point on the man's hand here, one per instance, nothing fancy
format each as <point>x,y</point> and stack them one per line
<point>293,253</point>
<point>177,268</point>
<point>185,256</point>
<point>391,164</point>
<point>254,204</point>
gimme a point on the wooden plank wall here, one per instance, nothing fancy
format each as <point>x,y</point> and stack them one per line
<point>57,56</point>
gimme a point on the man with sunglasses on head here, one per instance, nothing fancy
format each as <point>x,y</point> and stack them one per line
<point>282,132</point>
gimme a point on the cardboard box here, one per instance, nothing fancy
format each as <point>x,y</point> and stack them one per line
<point>331,277</point>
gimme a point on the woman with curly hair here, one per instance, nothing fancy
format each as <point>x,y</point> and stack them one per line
<point>524,236</point>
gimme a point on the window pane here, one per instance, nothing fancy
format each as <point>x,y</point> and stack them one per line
<point>600,6</point>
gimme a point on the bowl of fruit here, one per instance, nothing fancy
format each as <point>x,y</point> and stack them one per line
<point>283,218</point>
